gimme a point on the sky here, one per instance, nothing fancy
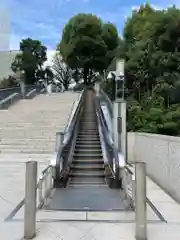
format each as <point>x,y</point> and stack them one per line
<point>45,19</point>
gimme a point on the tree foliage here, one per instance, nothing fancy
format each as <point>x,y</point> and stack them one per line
<point>10,81</point>
<point>89,44</point>
<point>151,48</point>
<point>30,60</point>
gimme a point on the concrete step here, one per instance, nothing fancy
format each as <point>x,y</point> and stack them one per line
<point>26,151</point>
<point>27,130</point>
<point>24,157</point>
<point>26,142</point>
<point>26,146</point>
<point>27,136</point>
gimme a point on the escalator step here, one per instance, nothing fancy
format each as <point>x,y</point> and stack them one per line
<point>88,180</point>
<point>88,161</point>
<point>87,156</point>
<point>88,141</point>
<point>88,146</point>
<point>87,173</point>
<point>88,166</point>
<point>88,150</point>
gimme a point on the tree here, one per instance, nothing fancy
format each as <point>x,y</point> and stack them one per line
<point>30,60</point>
<point>76,75</point>
<point>151,47</point>
<point>45,74</point>
<point>10,81</point>
<point>87,43</point>
<point>62,72</point>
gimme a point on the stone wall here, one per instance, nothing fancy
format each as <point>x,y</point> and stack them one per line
<point>162,155</point>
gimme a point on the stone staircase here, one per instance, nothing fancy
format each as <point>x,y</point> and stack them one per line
<point>28,129</point>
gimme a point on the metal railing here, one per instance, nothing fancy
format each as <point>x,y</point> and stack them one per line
<point>6,102</point>
<point>31,94</point>
<point>4,93</point>
<point>17,89</point>
<point>129,186</point>
<point>44,186</point>
<point>11,95</point>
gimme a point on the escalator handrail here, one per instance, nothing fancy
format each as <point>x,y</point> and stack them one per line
<point>72,119</point>
<point>108,140</point>
<point>105,152</point>
<point>69,133</point>
<point>108,101</point>
<point>73,111</point>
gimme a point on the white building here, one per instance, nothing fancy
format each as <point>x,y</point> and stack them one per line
<point>4,29</point>
<point>7,57</point>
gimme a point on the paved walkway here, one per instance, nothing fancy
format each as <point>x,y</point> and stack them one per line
<point>12,165</point>
<point>80,225</point>
<point>74,225</point>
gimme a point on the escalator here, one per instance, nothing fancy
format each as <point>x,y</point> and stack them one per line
<point>88,166</point>
<point>87,186</point>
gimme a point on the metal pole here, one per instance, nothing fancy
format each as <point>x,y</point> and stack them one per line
<point>123,139</point>
<point>140,197</point>
<point>59,140</point>
<point>97,88</point>
<point>30,200</point>
<point>117,124</point>
<point>22,85</point>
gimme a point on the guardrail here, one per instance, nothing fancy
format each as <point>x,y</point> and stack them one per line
<point>8,91</point>
<point>31,94</point>
<point>44,186</point>
<point>9,96</point>
<point>5,103</point>
<point>129,185</point>
<point>4,93</point>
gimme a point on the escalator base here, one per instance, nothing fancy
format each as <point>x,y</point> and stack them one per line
<point>87,198</point>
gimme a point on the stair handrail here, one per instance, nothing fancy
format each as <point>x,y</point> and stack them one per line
<point>44,185</point>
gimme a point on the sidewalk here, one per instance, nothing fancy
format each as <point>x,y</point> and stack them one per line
<point>51,227</point>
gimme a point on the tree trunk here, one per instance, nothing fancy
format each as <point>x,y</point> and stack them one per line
<point>85,74</point>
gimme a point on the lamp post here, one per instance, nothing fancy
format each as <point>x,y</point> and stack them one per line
<point>20,80</point>
<point>120,79</point>
<point>119,110</point>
